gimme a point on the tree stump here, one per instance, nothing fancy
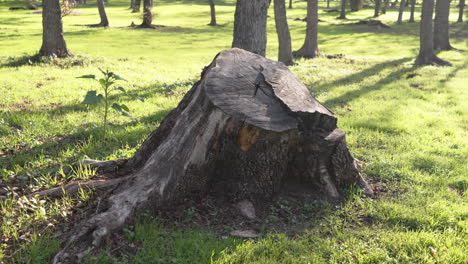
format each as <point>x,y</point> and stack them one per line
<point>245,128</point>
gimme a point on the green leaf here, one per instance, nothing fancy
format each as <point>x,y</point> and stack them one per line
<point>136,97</point>
<point>102,82</point>
<point>120,88</point>
<point>92,98</point>
<point>89,76</point>
<point>103,72</point>
<point>122,110</point>
<point>124,107</point>
<point>117,77</point>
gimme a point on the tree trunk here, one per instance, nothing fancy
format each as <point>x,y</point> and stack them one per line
<point>460,12</point>
<point>310,47</point>
<point>147,14</point>
<point>426,54</point>
<point>377,8</point>
<point>400,12</point>
<point>250,22</point>
<point>413,5</point>
<point>441,25</point>
<point>136,6</point>
<point>356,5</point>
<point>53,42</point>
<point>343,10</point>
<point>132,4</point>
<point>213,13</point>
<point>282,29</point>
<point>328,3</point>
<point>243,131</point>
<point>384,9</point>
<point>102,13</point>
<point>290,4</point>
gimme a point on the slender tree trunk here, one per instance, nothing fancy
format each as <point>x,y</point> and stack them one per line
<point>328,3</point>
<point>385,6</point>
<point>136,6</point>
<point>53,42</point>
<point>102,13</point>
<point>413,4</point>
<point>460,12</point>
<point>310,47</point>
<point>400,12</point>
<point>426,54</point>
<point>147,13</point>
<point>250,25</point>
<point>290,4</point>
<point>343,10</point>
<point>213,13</point>
<point>356,5</point>
<point>441,25</point>
<point>282,29</point>
<point>132,4</point>
<point>377,8</point>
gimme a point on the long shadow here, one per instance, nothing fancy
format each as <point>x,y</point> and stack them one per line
<point>359,76</point>
<point>351,95</point>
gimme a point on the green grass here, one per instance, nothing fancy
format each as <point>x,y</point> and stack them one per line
<point>409,133</point>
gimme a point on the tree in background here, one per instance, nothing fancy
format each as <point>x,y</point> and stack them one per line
<point>426,54</point>
<point>102,13</point>
<point>213,13</point>
<point>400,12</point>
<point>460,12</point>
<point>343,10</point>
<point>250,23</point>
<point>282,29</point>
<point>441,25</point>
<point>310,47</point>
<point>377,8</point>
<point>136,6</point>
<point>53,43</point>
<point>385,6</point>
<point>290,4</point>
<point>356,5</point>
<point>413,4</point>
<point>147,14</point>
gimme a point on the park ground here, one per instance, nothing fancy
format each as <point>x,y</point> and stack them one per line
<point>406,125</point>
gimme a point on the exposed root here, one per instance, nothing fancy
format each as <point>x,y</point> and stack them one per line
<point>431,60</point>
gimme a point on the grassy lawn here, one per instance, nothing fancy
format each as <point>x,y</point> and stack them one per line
<point>407,125</point>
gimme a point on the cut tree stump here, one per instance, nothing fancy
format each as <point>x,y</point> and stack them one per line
<point>244,129</point>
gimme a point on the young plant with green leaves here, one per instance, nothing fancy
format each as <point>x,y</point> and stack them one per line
<point>107,84</point>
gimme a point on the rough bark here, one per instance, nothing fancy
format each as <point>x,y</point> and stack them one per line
<point>290,4</point>
<point>343,10</point>
<point>136,6</point>
<point>413,5</point>
<point>441,25</point>
<point>377,8</point>
<point>385,6</point>
<point>460,11</point>
<point>250,21</point>
<point>147,14</point>
<point>400,12</point>
<point>356,5</point>
<point>213,13</point>
<point>247,127</point>
<point>102,13</point>
<point>53,42</point>
<point>426,54</point>
<point>282,30</point>
<point>310,47</point>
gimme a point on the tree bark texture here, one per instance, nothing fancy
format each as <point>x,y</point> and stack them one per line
<point>460,11</point>
<point>53,42</point>
<point>356,5</point>
<point>212,13</point>
<point>400,12</point>
<point>250,22</point>
<point>242,131</point>
<point>377,8</point>
<point>290,4</point>
<point>441,25</point>
<point>343,10</point>
<point>426,54</point>
<point>136,6</point>
<point>310,47</point>
<point>413,6</point>
<point>102,13</point>
<point>147,13</point>
<point>282,30</point>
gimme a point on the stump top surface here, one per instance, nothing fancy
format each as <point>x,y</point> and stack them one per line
<point>259,91</point>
